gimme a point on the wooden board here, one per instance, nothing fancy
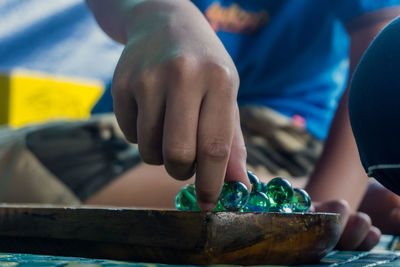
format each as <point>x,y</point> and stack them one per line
<point>173,237</point>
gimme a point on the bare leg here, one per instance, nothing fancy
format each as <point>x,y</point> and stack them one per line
<point>148,186</point>
<point>144,186</point>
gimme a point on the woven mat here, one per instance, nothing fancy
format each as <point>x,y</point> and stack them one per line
<point>386,254</point>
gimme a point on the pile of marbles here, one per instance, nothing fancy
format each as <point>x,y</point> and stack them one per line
<point>275,196</point>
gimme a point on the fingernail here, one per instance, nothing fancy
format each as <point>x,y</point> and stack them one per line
<point>206,206</point>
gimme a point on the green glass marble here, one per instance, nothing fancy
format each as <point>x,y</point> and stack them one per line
<point>255,182</point>
<point>234,196</point>
<point>219,207</point>
<point>275,209</point>
<point>279,191</point>
<point>258,202</point>
<point>301,201</point>
<point>263,188</point>
<point>186,199</point>
<point>286,208</point>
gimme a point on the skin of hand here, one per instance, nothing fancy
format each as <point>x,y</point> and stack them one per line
<point>339,173</point>
<point>175,90</point>
<point>383,206</point>
<point>357,230</point>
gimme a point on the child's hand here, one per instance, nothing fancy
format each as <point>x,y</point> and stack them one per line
<point>174,91</point>
<point>357,231</point>
<point>383,206</point>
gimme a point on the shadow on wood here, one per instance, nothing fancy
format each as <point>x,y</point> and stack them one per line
<point>173,237</point>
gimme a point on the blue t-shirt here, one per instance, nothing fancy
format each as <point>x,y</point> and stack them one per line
<point>291,55</point>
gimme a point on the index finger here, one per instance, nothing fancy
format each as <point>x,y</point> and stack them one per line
<point>215,134</point>
<point>236,169</point>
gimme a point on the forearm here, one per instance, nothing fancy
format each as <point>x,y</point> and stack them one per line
<point>119,18</point>
<point>339,173</point>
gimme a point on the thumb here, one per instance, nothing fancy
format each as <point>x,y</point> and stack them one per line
<point>236,169</point>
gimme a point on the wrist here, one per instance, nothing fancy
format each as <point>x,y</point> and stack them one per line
<point>145,16</point>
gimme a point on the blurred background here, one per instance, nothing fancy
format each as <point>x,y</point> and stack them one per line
<point>55,61</point>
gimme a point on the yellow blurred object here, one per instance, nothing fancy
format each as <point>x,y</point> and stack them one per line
<point>28,97</point>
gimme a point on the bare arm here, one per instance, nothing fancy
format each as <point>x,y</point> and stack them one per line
<point>339,173</point>
<point>111,16</point>
<point>119,17</point>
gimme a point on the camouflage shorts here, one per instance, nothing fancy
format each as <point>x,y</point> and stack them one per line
<point>62,162</point>
<point>76,159</point>
<point>277,146</point>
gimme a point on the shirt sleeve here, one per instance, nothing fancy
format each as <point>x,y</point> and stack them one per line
<point>348,11</point>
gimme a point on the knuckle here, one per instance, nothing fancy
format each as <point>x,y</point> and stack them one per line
<point>118,85</point>
<point>181,174</point>
<point>179,155</point>
<point>145,87</point>
<point>224,72</point>
<point>217,150</point>
<point>362,219</point>
<point>152,160</point>
<point>146,79</point>
<point>121,81</point>
<point>128,130</point>
<point>341,206</point>
<point>225,77</point>
<point>182,66</point>
<point>150,155</point>
<point>121,78</point>
<point>128,84</point>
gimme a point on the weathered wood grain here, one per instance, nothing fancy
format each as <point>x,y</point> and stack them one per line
<point>169,236</point>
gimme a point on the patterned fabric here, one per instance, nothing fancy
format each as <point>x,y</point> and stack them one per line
<point>79,158</point>
<point>76,159</point>
<point>277,145</point>
<point>381,256</point>
<point>73,159</point>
